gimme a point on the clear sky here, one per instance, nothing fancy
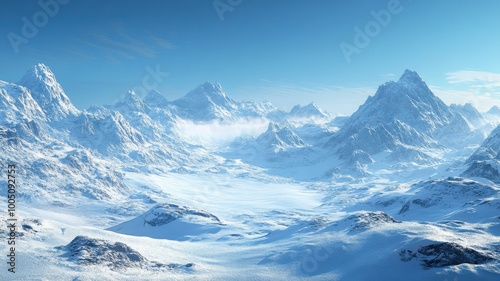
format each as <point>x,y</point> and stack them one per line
<point>285,51</point>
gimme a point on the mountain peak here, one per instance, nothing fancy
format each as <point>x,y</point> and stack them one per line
<point>39,72</point>
<point>130,102</point>
<point>154,99</point>
<point>494,110</point>
<point>309,110</point>
<point>42,70</point>
<point>400,114</point>
<point>211,87</point>
<point>408,100</point>
<point>207,101</point>
<point>279,137</point>
<point>132,96</point>
<point>410,75</point>
<point>47,92</point>
<point>208,89</point>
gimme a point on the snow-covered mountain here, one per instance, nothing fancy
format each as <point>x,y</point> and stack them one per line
<point>485,161</point>
<point>155,99</point>
<point>308,111</point>
<point>48,93</point>
<point>493,115</point>
<point>408,100</point>
<point>17,103</point>
<point>119,192</point>
<point>107,132</point>
<point>131,102</point>
<point>279,137</point>
<point>470,113</point>
<point>208,101</point>
<point>403,117</point>
<point>494,110</point>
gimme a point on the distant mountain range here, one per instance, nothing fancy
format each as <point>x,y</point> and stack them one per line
<point>404,121</point>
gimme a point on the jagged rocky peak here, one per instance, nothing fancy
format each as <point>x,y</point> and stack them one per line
<point>17,103</point>
<point>207,102</point>
<point>210,87</point>
<point>403,117</point>
<point>309,110</point>
<point>489,149</point>
<point>465,108</point>
<point>207,89</point>
<point>470,107</point>
<point>409,84</point>
<point>48,93</point>
<point>408,100</point>
<point>280,136</point>
<point>494,110</point>
<point>132,97</point>
<point>470,113</point>
<point>273,127</point>
<point>130,102</point>
<point>485,161</point>
<point>39,72</point>
<point>155,99</point>
<point>212,92</point>
<point>411,76</point>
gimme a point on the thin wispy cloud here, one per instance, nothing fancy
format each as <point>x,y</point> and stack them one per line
<point>117,43</point>
<point>77,54</point>
<point>163,43</point>
<point>126,43</point>
<point>478,83</point>
<point>470,76</point>
<point>110,53</point>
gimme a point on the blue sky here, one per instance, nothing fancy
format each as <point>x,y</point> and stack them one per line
<point>284,51</point>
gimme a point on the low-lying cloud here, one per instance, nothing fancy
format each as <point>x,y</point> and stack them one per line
<point>217,132</point>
